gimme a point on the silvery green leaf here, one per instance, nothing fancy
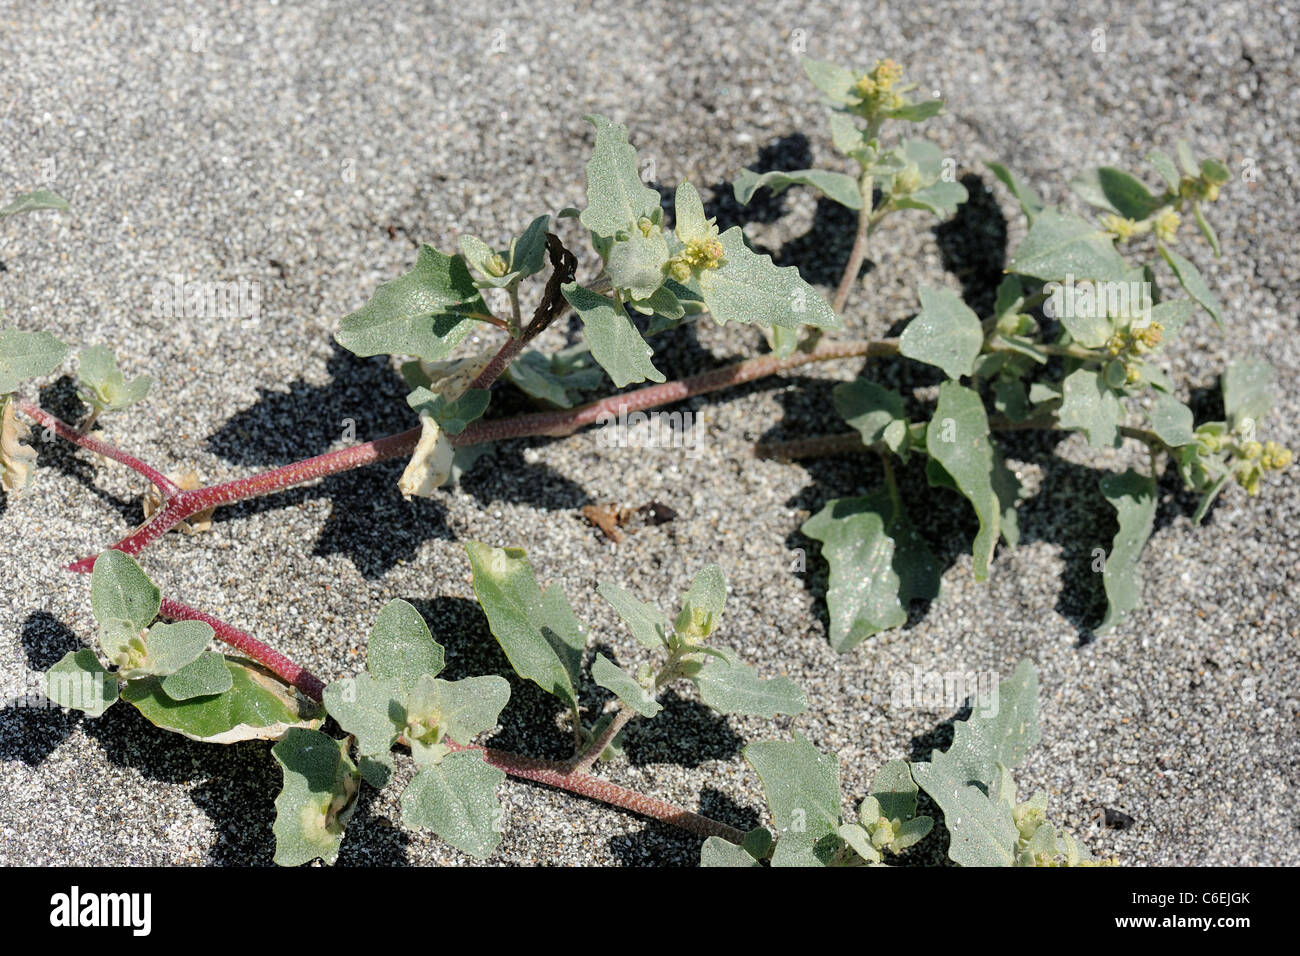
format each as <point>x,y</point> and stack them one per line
<point>421,313</point>
<point>636,264</point>
<point>1010,399</point>
<point>958,441</point>
<point>79,682</point>
<point>878,563</point>
<point>1187,158</point>
<point>1192,281</point>
<point>103,386</point>
<point>873,410</point>
<point>730,687</point>
<point>616,196</point>
<point>537,630</point>
<point>647,623</point>
<point>257,707</point>
<point>758,842</point>
<point>858,838</point>
<point>1041,393</point>
<point>1247,391</point>
<point>895,791</point>
<point>462,709</point>
<point>31,202</point>
<point>376,769</point>
<point>802,787</point>
<point>1060,245</point>
<point>625,686</point>
<point>1091,406</point>
<point>926,156</point>
<point>1207,230</point>
<point>981,830</point>
<point>26,355</point>
<point>945,333</point>
<point>912,832</point>
<point>1076,308</point>
<point>453,415</point>
<point>368,708</point>
<point>1133,496</point>
<point>664,305</point>
<point>749,288</point>
<point>203,677</point>
<point>525,257</point>
<point>1031,204</point>
<point>940,198</point>
<point>1163,164</point>
<point>997,732</point>
<point>173,646</point>
<point>556,380</point>
<point>614,341</point>
<point>120,591</point>
<point>839,187</point>
<point>702,605</point>
<point>319,795</point>
<point>1171,420</point>
<point>1207,499</point>
<point>718,852</point>
<point>456,799</point>
<point>1007,487</point>
<point>833,80</point>
<point>850,139</point>
<point>688,208</point>
<point>916,112</point>
<point>1115,190</point>
<point>401,649</point>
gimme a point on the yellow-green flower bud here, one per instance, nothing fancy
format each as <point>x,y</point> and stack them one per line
<point>1166,226</point>
<point>1275,457</point>
<point>1124,229</point>
<point>906,181</point>
<point>1251,449</point>
<point>495,265</point>
<point>882,833</point>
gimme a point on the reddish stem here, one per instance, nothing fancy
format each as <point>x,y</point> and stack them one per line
<point>556,774</point>
<point>268,657</point>
<point>66,431</point>
<point>566,422</point>
<point>549,772</point>
<point>184,504</point>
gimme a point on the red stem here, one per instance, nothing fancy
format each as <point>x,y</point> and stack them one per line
<point>66,431</point>
<point>268,657</point>
<point>550,772</point>
<point>183,504</point>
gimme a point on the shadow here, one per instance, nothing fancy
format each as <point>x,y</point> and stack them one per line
<point>370,522</point>
<point>973,244</point>
<point>685,733</point>
<point>365,399</point>
<point>46,639</point>
<point>718,806</point>
<point>30,726</point>
<point>372,839</point>
<point>657,845</point>
<point>234,786</point>
<point>31,729</point>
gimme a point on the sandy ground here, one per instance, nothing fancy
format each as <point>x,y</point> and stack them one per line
<point>305,148</point>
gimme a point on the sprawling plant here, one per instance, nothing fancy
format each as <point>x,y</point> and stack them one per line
<point>1073,343</point>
